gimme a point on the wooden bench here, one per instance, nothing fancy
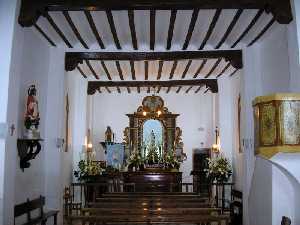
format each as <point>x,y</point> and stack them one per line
<point>29,206</point>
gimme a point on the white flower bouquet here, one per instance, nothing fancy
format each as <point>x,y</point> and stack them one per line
<point>219,169</point>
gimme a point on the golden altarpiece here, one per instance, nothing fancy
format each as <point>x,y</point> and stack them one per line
<point>153,108</point>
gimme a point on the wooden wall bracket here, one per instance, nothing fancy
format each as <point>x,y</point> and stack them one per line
<point>28,149</point>
<point>31,10</point>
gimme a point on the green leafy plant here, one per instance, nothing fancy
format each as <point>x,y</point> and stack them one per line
<point>219,169</point>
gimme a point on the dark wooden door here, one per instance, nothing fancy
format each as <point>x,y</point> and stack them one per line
<point>200,164</point>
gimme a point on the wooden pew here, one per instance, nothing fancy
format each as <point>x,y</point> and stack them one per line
<point>151,219</point>
<point>152,211</point>
<point>150,208</point>
<point>29,206</point>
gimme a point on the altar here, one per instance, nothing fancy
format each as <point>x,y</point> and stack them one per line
<point>154,181</point>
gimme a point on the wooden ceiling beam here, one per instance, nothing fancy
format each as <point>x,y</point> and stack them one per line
<point>249,27</point>
<point>152,29</point>
<point>160,67</point>
<point>113,30</point>
<point>171,29</point>
<point>187,67</point>
<point>168,90</point>
<point>119,90</point>
<point>198,89</point>
<point>91,69</point>
<point>211,83</point>
<point>58,30</point>
<point>178,89</point>
<point>261,33</point>
<point>108,90</point>
<point>72,59</point>
<point>173,69</point>
<point>132,29</point>
<point>230,28</point>
<point>146,70</point>
<point>94,29</point>
<point>32,9</point>
<point>39,29</point>
<point>81,72</point>
<point>132,70</point>
<point>74,29</point>
<point>191,29</point>
<point>200,68</point>
<point>211,28</point>
<point>213,68</point>
<point>158,89</point>
<point>106,70</point>
<point>188,90</point>
<point>119,70</point>
<point>234,72</point>
<point>223,70</point>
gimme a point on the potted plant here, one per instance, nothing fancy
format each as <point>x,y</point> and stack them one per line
<point>219,169</point>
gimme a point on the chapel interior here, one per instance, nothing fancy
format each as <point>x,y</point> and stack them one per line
<point>150,112</point>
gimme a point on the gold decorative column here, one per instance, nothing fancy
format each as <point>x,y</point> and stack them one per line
<point>277,124</point>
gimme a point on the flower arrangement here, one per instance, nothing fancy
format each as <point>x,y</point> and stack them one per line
<point>219,169</point>
<point>170,161</point>
<point>135,160</point>
<point>88,170</point>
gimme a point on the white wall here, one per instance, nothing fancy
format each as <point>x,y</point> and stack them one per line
<point>7,21</point>
<point>229,91</point>
<point>33,62</point>
<point>195,112</point>
<point>269,66</point>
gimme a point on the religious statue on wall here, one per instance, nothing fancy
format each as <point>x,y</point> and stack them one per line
<point>32,116</point>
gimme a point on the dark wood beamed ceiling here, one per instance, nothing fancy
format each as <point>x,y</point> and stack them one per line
<point>32,9</point>
<point>72,59</point>
<point>212,84</point>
